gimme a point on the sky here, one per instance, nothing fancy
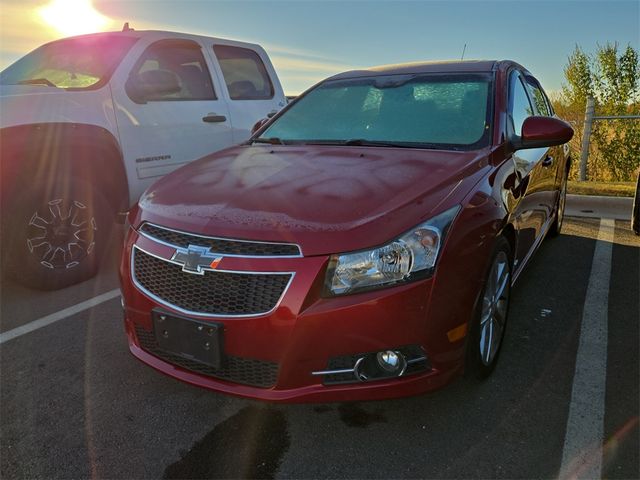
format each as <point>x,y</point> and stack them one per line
<point>310,40</point>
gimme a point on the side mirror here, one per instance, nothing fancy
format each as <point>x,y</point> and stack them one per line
<point>543,132</point>
<point>258,125</point>
<point>152,85</point>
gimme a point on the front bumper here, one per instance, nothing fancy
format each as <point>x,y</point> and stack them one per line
<point>273,356</point>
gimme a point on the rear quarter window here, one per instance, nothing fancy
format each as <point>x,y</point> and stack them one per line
<point>244,73</point>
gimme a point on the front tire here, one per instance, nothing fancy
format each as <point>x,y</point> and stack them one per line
<point>487,331</point>
<point>57,234</point>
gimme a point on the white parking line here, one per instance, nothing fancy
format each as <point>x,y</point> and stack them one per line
<point>54,317</point>
<point>582,452</point>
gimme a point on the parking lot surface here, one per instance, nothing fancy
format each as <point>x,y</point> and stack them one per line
<point>563,399</point>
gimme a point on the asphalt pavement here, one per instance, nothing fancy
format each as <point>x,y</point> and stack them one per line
<point>74,403</point>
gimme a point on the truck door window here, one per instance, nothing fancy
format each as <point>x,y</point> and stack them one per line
<point>244,73</point>
<point>186,61</point>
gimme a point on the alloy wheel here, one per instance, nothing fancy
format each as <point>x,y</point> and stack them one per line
<point>561,204</point>
<point>495,304</point>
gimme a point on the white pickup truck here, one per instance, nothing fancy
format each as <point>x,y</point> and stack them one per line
<point>88,123</point>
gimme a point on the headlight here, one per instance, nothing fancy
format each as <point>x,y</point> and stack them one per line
<point>413,255</point>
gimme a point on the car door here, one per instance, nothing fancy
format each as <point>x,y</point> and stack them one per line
<point>159,132</point>
<point>553,162</point>
<point>532,210</point>
<point>251,86</point>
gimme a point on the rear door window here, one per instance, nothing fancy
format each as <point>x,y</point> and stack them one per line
<point>244,73</point>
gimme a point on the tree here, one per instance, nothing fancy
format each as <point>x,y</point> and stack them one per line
<point>613,79</point>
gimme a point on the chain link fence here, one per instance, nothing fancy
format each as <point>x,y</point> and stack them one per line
<point>602,162</point>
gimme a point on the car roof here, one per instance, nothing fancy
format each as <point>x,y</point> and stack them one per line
<point>447,66</point>
<point>163,34</point>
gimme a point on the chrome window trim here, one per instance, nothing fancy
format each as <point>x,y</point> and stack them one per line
<point>163,302</point>
<point>157,240</point>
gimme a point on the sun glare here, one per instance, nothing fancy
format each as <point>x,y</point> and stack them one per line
<point>73,17</point>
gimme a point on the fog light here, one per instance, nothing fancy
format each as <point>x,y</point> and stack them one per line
<point>384,364</point>
<point>389,361</point>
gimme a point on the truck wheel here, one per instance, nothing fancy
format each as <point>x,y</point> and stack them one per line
<point>57,234</point>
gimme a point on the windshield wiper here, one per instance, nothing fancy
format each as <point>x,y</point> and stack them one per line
<point>37,81</point>
<point>376,143</point>
<point>381,143</point>
<point>362,141</point>
<point>270,140</point>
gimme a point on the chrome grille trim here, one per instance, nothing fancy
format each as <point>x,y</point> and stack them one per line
<point>141,231</point>
<point>176,308</point>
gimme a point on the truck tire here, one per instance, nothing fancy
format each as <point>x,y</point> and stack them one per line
<point>55,235</point>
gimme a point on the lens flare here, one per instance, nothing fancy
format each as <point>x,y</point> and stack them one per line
<point>73,17</point>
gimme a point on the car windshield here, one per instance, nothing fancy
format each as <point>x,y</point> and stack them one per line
<point>80,62</point>
<point>448,111</point>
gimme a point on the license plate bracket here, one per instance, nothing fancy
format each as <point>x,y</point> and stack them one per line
<point>188,338</point>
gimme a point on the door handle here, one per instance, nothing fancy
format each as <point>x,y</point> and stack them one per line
<point>271,113</point>
<point>213,118</point>
<point>548,161</point>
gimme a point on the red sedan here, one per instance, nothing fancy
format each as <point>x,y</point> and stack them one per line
<point>362,245</point>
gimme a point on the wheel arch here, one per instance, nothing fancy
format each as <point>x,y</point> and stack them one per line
<point>508,231</point>
<point>56,152</point>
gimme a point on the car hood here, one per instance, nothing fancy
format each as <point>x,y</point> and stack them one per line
<point>22,90</point>
<point>327,199</point>
<point>33,104</point>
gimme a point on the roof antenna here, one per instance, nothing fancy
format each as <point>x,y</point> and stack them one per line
<point>463,50</point>
<point>126,28</point>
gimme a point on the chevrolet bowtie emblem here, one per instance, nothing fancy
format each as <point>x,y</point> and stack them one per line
<point>195,259</point>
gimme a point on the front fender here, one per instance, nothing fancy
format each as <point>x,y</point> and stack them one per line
<point>463,264</point>
<point>55,152</point>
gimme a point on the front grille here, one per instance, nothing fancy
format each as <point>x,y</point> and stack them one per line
<point>417,362</point>
<point>248,371</point>
<point>214,293</point>
<point>220,245</point>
